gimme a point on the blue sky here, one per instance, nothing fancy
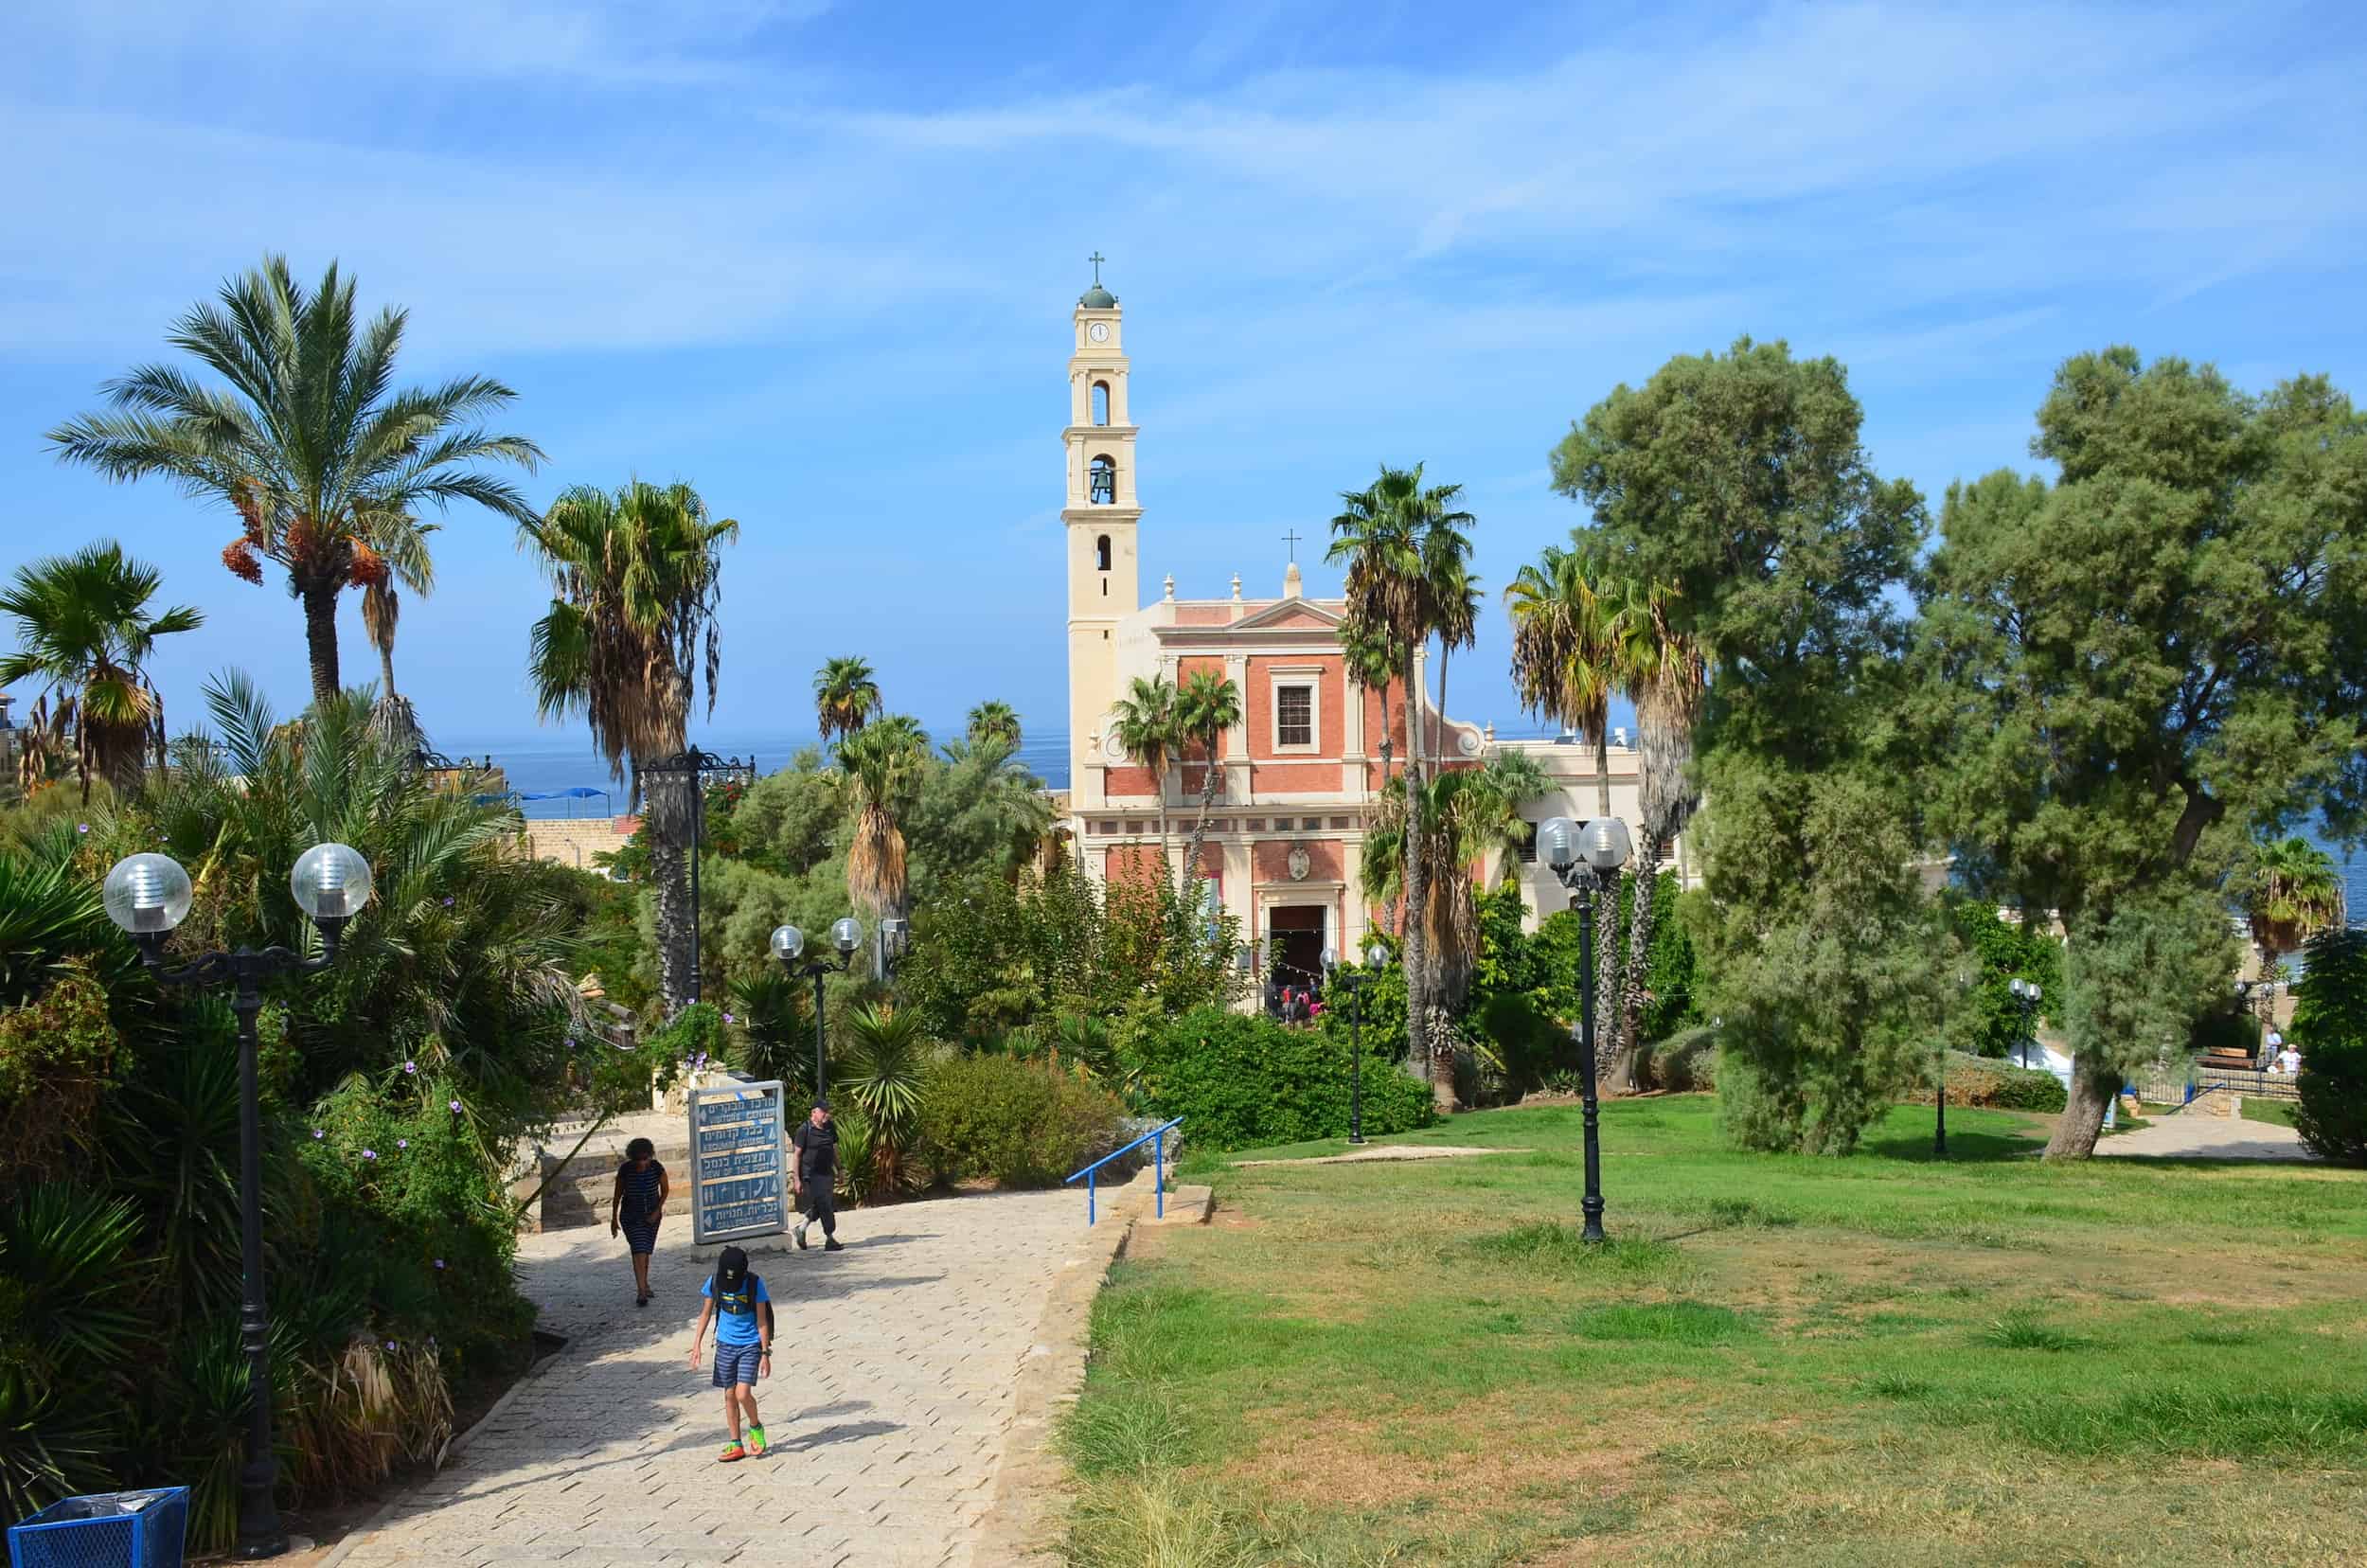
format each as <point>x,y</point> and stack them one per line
<point>818,259</point>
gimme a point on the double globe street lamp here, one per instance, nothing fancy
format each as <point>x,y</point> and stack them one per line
<point>1587,857</point>
<point>147,895</point>
<point>1376,958</point>
<point>2026,994</point>
<point>789,946</point>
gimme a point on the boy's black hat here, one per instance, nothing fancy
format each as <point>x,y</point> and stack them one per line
<point>731,1269</point>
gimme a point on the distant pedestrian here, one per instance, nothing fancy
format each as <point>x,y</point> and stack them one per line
<point>2289,1062</point>
<point>636,1206</point>
<point>816,1172</point>
<point>741,1309</point>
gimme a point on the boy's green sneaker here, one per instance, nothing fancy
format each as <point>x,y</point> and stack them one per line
<point>732,1452</point>
<point>756,1442</point>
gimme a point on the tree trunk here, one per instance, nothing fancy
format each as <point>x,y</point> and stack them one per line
<point>1641,919</point>
<point>1610,1041</point>
<point>1200,829</point>
<point>387,670</point>
<point>2082,1121</point>
<point>320,636</point>
<point>1415,948</point>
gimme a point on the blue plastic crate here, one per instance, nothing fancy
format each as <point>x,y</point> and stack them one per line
<point>126,1530</point>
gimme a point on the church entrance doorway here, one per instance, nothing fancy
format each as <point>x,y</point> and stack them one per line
<point>1295,942</point>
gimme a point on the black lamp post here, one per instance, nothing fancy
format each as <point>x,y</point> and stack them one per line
<point>148,896</point>
<point>693,764</point>
<point>1584,856</point>
<point>2026,997</point>
<point>789,946</point>
<point>1375,956</point>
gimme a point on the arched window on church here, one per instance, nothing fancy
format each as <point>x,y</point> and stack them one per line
<point>1101,552</point>
<point>1101,403</point>
<point>1104,485</point>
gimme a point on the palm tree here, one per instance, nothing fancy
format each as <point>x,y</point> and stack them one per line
<point>994,722</point>
<point>1455,594</point>
<point>83,626</point>
<point>1457,818</point>
<point>1390,534</point>
<point>324,465</point>
<point>1664,667</point>
<point>1208,706</point>
<point>879,769</point>
<point>382,613</point>
<point>636,579</point>
<point>1567,642</point>
<point>1147,730</point>
<point>844,697</point>
<point>2289,893</point>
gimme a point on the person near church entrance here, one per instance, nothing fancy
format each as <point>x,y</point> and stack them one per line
<point>816,1172</point>
<point>741,1309</point>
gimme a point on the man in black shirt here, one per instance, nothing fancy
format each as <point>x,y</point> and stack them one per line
<point>816,1171</point>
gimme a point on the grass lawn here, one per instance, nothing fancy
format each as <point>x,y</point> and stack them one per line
<point>1881,1360</point>
<point>2279,1112</point>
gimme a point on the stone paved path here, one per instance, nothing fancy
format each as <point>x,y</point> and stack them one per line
<point>889,1400</point>
<point>2193,1136</point>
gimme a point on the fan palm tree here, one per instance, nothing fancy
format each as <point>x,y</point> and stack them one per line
<point>83,626</point>
<point>2290,892</point>
<point>323,463</point>
<point>1147,730</point>
<point>1457,818</point>
<point>381,612</point>
<point>994,722</point>
<point>1392,535</point>
<point>1455,596</point>
<point>879,769</point>
<point>1206,706</point>
<point>846,695</point>
<point>636,579</point>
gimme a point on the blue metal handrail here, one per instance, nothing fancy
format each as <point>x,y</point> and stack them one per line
<point>1157,1138</point>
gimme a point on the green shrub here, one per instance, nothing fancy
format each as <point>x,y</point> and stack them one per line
<point>2330,1031</point>
<point>1985,1081</point>
<point>1525,1040</point>
<point>1684,1063</point>
<point>1022,1123</point>
<point>1240,1080</point>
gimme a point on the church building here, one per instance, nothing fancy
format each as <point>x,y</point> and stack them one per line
<point>1300,773</point>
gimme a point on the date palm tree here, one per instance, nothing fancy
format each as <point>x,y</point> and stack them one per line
<point>85,627</point>
<point>879,769</point>
<point>1206,706</point>
<point>636,580</point>
<point>323,462</point>
<point>994,723</point>
<point>1568,641</point>
<point>1393,536</point>
<point>846,695</point>
<point>1148,731</point>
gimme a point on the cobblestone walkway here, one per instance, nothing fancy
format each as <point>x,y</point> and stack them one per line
<point>887,1408</point>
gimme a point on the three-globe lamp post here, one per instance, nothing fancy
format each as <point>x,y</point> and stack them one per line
<point>789,946</point>
<point>147,895</point>
<point>1587,857</point>
<point>1354,983</point>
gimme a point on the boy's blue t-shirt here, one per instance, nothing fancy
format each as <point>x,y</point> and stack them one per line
<point>736,1314</point>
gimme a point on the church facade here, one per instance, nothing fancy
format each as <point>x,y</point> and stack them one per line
<point>1298,775</point>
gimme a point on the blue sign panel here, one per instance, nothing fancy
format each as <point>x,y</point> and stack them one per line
<point>739,1144</point>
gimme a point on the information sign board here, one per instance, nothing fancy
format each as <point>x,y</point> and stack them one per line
<point>739,1181</point>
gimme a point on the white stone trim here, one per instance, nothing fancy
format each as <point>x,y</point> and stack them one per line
<point>1311,677</point>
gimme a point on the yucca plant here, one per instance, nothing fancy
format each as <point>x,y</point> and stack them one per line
<point>887,1052</point>
<point>70,1298</point>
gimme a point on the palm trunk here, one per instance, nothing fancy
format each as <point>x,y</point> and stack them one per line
<point>1610,1041</point>
<point>1200,829</point>
<point>1641,919</point>
<point>2082,1121</point>
<point>387,670</point>
<point>320,635</point>
<point>1417,954</point>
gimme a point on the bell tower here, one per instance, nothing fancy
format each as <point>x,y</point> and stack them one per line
<point>1100,518</point>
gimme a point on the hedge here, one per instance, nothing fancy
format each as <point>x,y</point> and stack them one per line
<point>1243,1081</point>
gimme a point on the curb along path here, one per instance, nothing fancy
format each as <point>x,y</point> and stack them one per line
<point>916,1378</point>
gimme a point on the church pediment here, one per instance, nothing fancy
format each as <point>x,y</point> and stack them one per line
<point>1293,615</point>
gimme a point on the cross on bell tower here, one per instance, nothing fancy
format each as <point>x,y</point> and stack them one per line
<point>1100,519</point>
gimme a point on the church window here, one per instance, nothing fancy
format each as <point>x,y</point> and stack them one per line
<point>1101,403</point>
<point>1295,716</point>
<point>1104,477</point>
<point>1101,552</point>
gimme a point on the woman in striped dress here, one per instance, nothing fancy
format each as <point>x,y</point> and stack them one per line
<point>636,1206</point>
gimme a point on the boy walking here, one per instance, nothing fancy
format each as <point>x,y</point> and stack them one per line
<point>736,1304</point>
<point>816,1172</point>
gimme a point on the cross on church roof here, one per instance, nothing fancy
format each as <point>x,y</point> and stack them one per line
<point>1096,259</point>
<point>1292,539</point>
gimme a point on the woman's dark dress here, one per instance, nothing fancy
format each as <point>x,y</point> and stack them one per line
<point>639,1201</point>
